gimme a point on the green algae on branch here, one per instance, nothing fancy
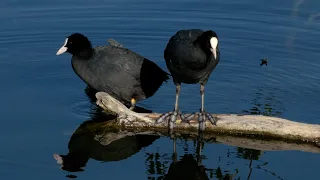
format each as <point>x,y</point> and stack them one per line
<point>231,124</point>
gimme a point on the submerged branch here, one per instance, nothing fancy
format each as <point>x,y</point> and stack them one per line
<point>256,126</point>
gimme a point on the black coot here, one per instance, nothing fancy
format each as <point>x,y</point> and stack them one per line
<point>191,56</point>
<point>118,71</point>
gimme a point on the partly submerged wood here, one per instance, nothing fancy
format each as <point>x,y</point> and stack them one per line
<point>105,133</point>
<point>231,124</point>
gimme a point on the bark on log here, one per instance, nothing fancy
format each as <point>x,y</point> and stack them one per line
<point>256,126</point>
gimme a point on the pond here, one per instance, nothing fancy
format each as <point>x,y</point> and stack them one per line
<point>46,111</point>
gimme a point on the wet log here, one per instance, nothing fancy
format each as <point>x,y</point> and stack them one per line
<point>108,133</point>
<point>236,125</point>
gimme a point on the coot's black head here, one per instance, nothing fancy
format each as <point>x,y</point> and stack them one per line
<point>76,44</point>
<point>209,42</point>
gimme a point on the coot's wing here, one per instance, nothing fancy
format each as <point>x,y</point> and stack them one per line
<point>114,43</point>
<point>119,70</point>
<point>127,73</point>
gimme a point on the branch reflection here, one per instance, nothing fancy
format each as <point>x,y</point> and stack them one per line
<point>94,140</point>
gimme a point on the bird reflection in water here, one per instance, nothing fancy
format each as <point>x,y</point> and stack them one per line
<point>92,140</point>
<point>103,146</point>
<point>188,168</point>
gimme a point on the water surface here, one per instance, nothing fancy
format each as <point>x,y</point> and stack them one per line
<point>44,102</point>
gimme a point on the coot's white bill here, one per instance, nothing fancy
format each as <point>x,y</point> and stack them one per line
<point>214,44</point>
<point>63,49</point>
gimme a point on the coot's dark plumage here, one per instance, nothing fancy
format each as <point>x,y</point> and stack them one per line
<point>124,74</point>
<point>191,56</point>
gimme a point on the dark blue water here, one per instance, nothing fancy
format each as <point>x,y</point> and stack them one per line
<point>44,102</point>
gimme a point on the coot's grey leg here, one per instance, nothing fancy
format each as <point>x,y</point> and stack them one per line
<point>203,115</point>
<point>133,104</point>
<point>173,114</point>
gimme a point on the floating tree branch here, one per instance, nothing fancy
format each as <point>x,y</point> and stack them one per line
<point>256,126</point>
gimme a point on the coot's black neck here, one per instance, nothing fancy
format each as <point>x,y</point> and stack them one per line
<point>84,54</point>
<point>198,43</point>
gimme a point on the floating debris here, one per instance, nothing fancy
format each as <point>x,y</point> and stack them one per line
<point>264,61</point>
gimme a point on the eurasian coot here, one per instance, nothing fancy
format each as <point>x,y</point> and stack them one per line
<point>118,71</point>
<point>191,56</point>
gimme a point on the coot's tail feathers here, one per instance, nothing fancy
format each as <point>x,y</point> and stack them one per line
<point>152,77</point>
